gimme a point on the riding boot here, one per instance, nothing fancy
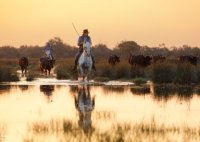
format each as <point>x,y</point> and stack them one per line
<point>93,64</point>
<point>75,63</point>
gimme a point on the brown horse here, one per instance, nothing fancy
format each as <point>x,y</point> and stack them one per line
<point>46,65</point>
<point>113,59</point>
<point>23,63</point>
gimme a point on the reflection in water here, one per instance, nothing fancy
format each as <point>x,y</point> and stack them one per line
<point>84,104</point>
<point>111,89</point>
<point>4,88</point>
<point>47,90</point>
<point>197,90</point>
<point>185,93</point>
<point>140,90</point>
<point>73,89</point>
<point>165,92</point>
<point>125,117</point>
<point>2,132</point>
<point>23,87</point>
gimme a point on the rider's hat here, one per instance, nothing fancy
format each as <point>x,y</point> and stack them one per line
<point>85,31</point>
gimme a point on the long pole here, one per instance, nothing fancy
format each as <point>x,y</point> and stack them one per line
<point>75,29</point>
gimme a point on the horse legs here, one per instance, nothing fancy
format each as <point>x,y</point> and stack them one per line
<point>45,70</point>
<point>41,68</point>
<point>82,73</point>
<point>25,71</point>
<point>22,71</point>
<point>49,71</point>
<point>89,73</point>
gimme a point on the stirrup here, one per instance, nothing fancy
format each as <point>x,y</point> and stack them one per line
<point>75,69</point>
<point>94,68</point>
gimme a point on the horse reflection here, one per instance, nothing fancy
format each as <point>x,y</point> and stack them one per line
<point>47,90</point>
<point>84,104</point>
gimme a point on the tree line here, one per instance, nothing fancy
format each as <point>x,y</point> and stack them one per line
<point>123,49</point>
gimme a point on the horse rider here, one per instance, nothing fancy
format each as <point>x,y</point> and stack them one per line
<point>49,51</point>
<point>84,38</point>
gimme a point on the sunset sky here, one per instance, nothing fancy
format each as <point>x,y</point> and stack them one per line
<point>148,22</point>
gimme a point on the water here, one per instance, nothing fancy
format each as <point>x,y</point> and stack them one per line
<point>92,113</point>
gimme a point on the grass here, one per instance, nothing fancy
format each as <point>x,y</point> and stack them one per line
<point>140,90</point>
<point>159,73</point>
<point>64,69</point>
<point>31,76</point>
<point>120,132</point>
<point>8,74</point>
<point>139,81</point>
<point>101,79</point>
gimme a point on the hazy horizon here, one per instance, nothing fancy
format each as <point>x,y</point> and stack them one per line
<point>26,22</point>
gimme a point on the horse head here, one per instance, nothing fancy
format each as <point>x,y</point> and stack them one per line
<point>87,48</point>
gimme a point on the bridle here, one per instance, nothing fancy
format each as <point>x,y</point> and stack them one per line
<point>84,48</point>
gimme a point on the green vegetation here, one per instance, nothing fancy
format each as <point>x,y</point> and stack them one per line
<point>170,71</point>
<point>101,79</point>
<point>7,74</point>
<point>64,68</point>
<point>139,81</point>
<point>159,73</point>
<point>178,73</point>
<point>31,77</point>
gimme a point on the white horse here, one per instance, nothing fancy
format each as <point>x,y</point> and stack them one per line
<point>85,61</point>
<point>84,104</point>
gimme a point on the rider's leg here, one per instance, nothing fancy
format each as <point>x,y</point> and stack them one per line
<point>51,57</point>
<point>76,60</point>
<point>93,63</point>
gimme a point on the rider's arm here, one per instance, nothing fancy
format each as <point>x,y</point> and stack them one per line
<point>79,41</point>
<point>90,40</point>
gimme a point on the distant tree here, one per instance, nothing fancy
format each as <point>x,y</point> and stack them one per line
<point>8,52</point>
<point>125,48</point>
<point>62,50</point>
<point>101,51</point>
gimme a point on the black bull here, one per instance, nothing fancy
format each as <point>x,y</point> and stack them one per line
<point>46,65</point>
<point>140,60</point>
<point>191,59</point>
<point>23,63</point>
<point>113,59</point>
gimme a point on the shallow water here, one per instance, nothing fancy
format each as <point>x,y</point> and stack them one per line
<point>27,111</point>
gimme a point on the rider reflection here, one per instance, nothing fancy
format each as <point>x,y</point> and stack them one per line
<point>84,104</point>
<point>47,90</point>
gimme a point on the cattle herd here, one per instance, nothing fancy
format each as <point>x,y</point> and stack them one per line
<point>144,61</point>
<point>134,60</point>
<point>45,65</point>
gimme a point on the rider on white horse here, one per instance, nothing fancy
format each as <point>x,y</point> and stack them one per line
<point>81,40</point>
<point>49,51</point>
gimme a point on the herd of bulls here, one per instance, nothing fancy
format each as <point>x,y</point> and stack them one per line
<point>144,61</point>
<point>45,65</point>
<point>140,60</point>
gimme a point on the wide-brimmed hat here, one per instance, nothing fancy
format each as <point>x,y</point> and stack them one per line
<point>85,31</point>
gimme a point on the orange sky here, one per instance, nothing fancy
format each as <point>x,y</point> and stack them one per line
<point>148,22</point>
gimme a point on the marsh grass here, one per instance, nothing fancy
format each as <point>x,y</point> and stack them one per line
<point>160,73</point>
<point>140,81</point>
<point>141,90</point>
<point>64,69</point>
<point>8,74</point>
<point>141,131</point>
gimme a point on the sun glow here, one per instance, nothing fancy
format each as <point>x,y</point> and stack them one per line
<point>146,22</point>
